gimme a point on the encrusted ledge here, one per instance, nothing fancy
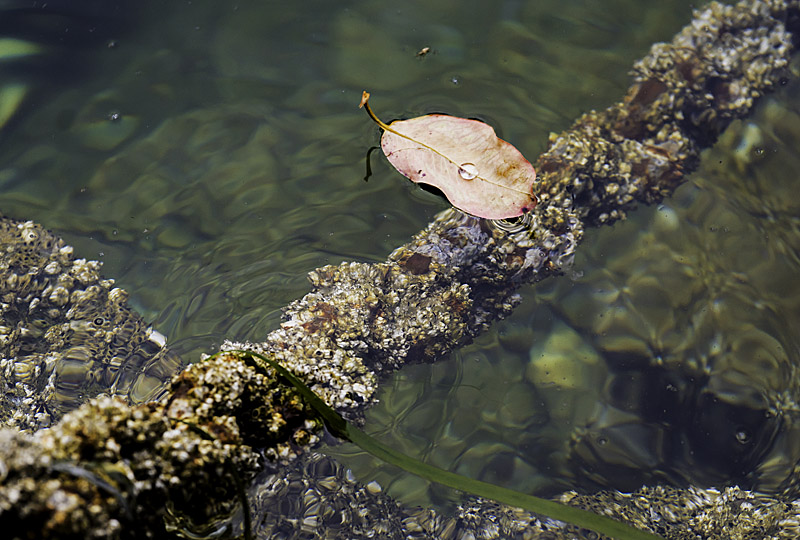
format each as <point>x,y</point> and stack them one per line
<point>111,469</point>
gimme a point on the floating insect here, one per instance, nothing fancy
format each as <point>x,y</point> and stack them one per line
<point>422,52</point>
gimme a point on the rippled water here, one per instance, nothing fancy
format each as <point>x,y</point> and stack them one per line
<point>212,153</point>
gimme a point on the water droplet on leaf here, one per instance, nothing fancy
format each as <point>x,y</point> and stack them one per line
<point>468,171</point>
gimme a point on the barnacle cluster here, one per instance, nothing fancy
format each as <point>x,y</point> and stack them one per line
<point>675,513</point>
<point>320,494</point>
<point>66,333</point>
<point>110,470</point>
<point>684,94</point>
<point>430,296</point>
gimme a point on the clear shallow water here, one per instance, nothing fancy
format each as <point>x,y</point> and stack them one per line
<point>212,153</point>
<point>235,161</point>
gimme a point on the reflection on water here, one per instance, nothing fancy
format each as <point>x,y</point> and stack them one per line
<point>212,153</point>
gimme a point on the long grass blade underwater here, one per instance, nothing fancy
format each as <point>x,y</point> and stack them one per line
<point>551,509</point>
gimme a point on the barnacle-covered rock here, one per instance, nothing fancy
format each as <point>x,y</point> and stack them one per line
<point>320,494</point>
<point>636,151</point>
<point>67,334</point>
<point>684,94</point>
<point>113,469</point>
<point>690,513</point>
<point>268,414</point>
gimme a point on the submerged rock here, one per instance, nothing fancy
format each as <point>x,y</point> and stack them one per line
<point>321,495</point>
<point>67,334</point>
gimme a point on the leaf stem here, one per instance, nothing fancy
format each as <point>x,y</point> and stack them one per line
<point>365,103</point>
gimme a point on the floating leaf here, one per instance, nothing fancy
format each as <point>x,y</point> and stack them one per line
<point>478,173</point>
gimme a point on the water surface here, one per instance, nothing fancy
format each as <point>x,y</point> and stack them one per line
<point>212,153</point>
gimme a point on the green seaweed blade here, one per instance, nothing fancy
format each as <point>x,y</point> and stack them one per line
<point>544,507</point>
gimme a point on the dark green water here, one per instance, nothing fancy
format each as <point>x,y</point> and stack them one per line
<point>212,153</point>
<point>234,164</point>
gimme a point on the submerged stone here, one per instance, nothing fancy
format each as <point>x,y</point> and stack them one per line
<point>67,334</point>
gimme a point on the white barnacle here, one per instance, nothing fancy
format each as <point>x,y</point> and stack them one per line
<point>52,268</point>
<point>59,296</point>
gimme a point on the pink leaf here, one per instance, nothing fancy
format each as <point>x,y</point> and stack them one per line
<point>478,173</point>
